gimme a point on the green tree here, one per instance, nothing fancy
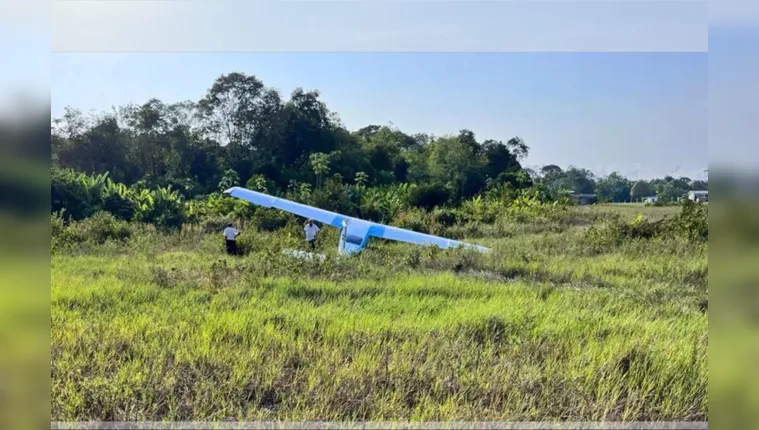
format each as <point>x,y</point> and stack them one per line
<point>517,147</point>
<point>498,159</point>
<point>453,162</point>
<point>572,179</point>
<point>613,188</point>
<point>230,179</point>
<point>231,107</point>
<point>361,179</point>
<point>640,190</point>
<point>672,189</point>
<point>320,165</point>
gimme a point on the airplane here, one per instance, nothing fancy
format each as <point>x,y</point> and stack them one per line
<point>354,232</point>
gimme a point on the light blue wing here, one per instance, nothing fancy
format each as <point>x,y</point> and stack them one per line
<point>267,201</point>
<point>335,220</point>
<point>409,236</point>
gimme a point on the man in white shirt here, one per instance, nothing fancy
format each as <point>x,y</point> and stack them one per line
<point>230,237</point>
<point>311,231</point>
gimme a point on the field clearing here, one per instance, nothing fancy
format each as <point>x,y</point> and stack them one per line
<point>633,209</point>
<point>546,327</point>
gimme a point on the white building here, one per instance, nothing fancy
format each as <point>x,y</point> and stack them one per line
<point>698,196</point>
<point>651,199</point>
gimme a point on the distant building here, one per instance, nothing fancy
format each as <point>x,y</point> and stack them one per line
<point>650,199</point>
<point>698,196</point>
<point>583,199</point>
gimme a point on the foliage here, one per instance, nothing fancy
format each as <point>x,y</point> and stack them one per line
<point>162,207</point>
<point>271,219</point>
<point>480,210</point>
<point>229,180</point>
<point>640,190</point>
<point>412,219</point>
<point>691,223</point>
<point>429,196</point>
<point>243,132</point>
<point>613,188</point>
<point>445,217</point>
<point>97,229</point>
<point>693,220</point>
<point>79,194</point>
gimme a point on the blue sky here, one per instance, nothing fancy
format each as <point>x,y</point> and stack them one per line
<point>643,113</point>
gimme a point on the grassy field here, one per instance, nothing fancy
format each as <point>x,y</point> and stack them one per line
<point>633,209</point>
<point>549,326</point>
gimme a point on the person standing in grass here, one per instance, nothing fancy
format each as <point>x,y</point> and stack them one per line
<point>311,230</point>
<point>230,237</point>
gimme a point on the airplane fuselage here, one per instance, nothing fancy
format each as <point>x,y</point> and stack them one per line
<point>354,236</point>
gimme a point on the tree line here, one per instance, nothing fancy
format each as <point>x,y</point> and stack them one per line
<point>242,132</point>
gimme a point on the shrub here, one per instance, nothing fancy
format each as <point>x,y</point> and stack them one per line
<point>333,196</point>
<point>373,213</point>
<point>162,207</point>
<point>120,206</point>
<point>428,196</point>
<point>75,192</point>
<point>246,243</point>
<point>445,217</point>
<point>480,210</point>
<point>693,220</point>
<point>266,219</point>
<point>639,228</point>
<point>57,227</point>
<point>99,228</point>
<point>691,224</point>
<point>413,219</point>
<point>464,231</point>
<point>215,224</point>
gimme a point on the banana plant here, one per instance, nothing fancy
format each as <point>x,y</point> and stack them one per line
<point>161,206</point>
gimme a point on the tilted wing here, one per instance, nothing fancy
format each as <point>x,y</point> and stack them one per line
<point>409,236</point>
<point>335,220</point>
<point>267,201</point>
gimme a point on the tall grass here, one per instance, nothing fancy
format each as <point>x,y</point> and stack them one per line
<point>549,326</point>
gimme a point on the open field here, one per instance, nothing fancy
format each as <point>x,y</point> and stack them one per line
<point>549,326</point>
<point>633,209</point>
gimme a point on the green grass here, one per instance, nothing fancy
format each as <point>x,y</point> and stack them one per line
<point>546,327</point>
<point>633,209</point>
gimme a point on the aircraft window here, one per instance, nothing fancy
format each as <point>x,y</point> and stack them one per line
<point>355,240</point>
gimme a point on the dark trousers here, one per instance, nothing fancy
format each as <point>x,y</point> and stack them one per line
<point>231,247</point>
<point>312,243</point>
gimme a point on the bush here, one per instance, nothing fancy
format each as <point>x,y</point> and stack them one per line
<point>266,219</point>
<point>74,192</point>
<point>120,206</point>
<point>445,217</point>
<point>691,224</point>
<point>57,226</point>
<point>413,219</point>
<point>246,243</point>
<point>693,220</point>
<point>215,224</point>
<point>639,228</point>
<point>99,228</point>
<point>162,207</point>
<point>479,210</point>
<point>428,196</point>
<point>333,196</point>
